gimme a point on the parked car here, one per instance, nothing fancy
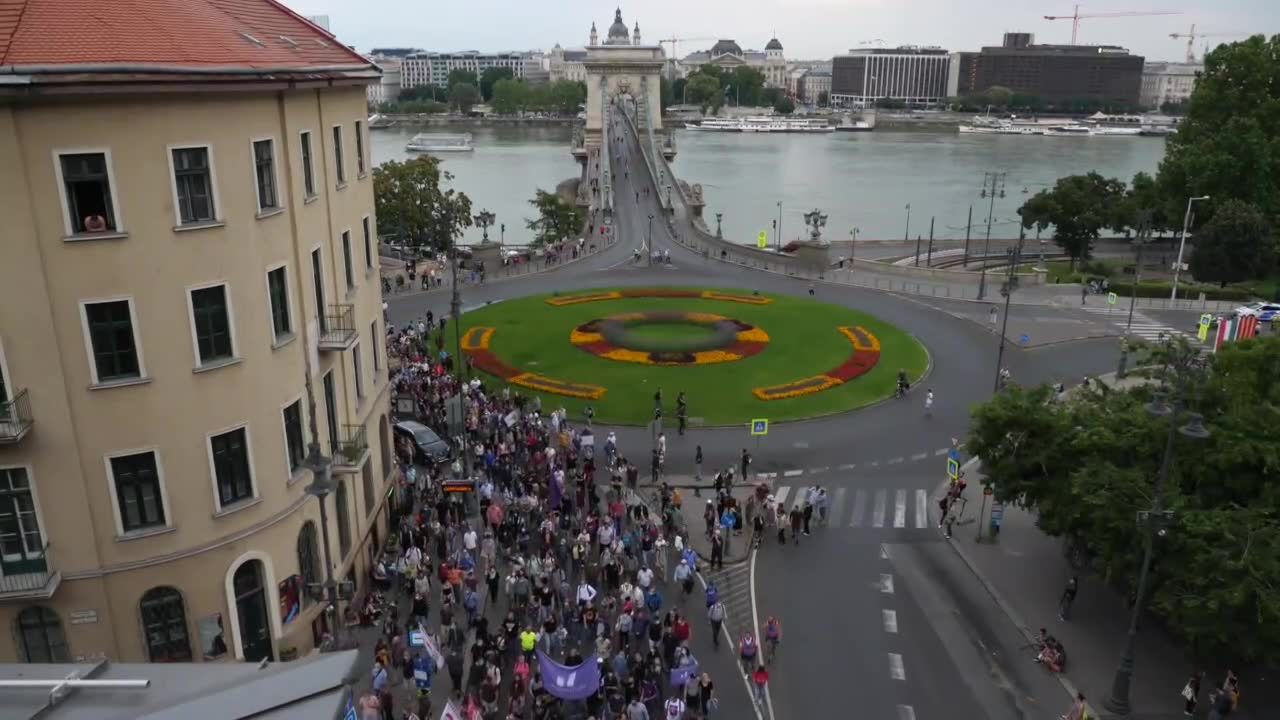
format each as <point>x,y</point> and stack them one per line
<point>1264,311</point>
<point>428,448</point>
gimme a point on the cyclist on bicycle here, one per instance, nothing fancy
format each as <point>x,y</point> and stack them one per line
<point>747,651</point>
<point>772,636</point>
<point>903,384</point>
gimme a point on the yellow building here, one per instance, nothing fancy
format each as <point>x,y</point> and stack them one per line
<point>188,228</point>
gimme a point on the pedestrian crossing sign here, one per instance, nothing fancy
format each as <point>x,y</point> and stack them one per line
<point>1203,332</point>
<point>762,240</point>
<point>953,468</point>
<point>1111,298</point>
<point>760,427</point>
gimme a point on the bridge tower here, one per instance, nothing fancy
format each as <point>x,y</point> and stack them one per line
<point>621,67</point>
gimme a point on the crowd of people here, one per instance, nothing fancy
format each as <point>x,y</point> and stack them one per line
<point>550,568</point>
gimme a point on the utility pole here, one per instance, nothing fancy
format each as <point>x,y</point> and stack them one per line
<point>1011,283</point>
<point>1182,244</point>
<point>929,262</point>
<point>649,241</point>
<point>1144,232</point>
<point>918,239</point>
<point>992,185</point>
<point>968,228</point>
<point>906,234</point>
<point>779,226</point>
<point>455,309</point>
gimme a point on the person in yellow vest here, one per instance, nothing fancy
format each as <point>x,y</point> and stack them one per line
<point>528,641</point>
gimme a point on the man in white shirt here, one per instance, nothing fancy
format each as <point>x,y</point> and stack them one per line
<point>586,594</point>
<point>470,539</point>
<point>644,578</point>
<point>605,535</point>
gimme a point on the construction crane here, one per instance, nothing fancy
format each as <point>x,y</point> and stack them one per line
<point>1075,17</point>
<point>673,59</point>
<point>877,42</point>
<point>1192,36</point>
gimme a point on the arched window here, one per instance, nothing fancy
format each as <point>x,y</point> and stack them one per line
<point>308,557</point>
<point>164,622</point>
<point>40,635</point>
<point>344,518</point>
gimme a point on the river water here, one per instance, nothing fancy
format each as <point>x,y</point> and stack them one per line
<point>862,180</point>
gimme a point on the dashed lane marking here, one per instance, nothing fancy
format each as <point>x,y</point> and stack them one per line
<point>900,508</point>
<point>905,712</point>
<point>922,508</point>
<point>837,507</point>
<point>895,461</point>
<point>780,496</point>
<point>793,473</point>
<point>848,466</point>
<point>896,671</point>
<point>884,551</point>
<point>941,451</point>
<point>818,470</point>
<point>859,507</point>
<point>890,618</point>
<point>877,519</point>
<point>920,456</point>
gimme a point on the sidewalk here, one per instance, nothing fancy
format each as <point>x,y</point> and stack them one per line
<point>1026,570</point>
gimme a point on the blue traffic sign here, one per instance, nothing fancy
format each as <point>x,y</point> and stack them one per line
<point>1025,339</point>
<point>760,426</point>
<point>953,468</point>
<point>954,454</point>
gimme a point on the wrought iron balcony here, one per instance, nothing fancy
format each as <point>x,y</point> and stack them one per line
<point>337,328</point>
<point>33,578</point>
<point>352,445</point>
<point>15,418</point>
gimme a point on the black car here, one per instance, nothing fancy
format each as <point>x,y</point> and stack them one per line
<point>428,448</point>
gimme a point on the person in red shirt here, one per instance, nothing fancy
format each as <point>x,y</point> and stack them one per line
<point>680,628</point>
<point>759,681</point>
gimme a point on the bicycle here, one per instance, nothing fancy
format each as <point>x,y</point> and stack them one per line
<point>770,649</point>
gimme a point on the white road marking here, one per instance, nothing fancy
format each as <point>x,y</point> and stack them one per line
<point>875,463</point>
<point>792,473</point>
<point>896,671</point>
<point>884,551</point>
<point>894,461</point>
<point>837,507</point>
<point>780,495</point>
<point>767,476</point>
<point>801,494</point>
<point>755,623</point>
<point>816,470</point>
<point>919,456</point>
<point>877,519</point>
<point>890,618</point>
<point>859,507</point>
<point>922,509</point>
<point>900,508</point>
<point>886,583</point>
<point>941,451</point>
<point>802,444</point>
<point>905,712</point>
<point>848,466</point>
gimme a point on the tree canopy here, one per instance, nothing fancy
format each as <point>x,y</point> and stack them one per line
<point>512,96</point>
<point>1237,244</point>
<point>1088,464</point>
<point>558,219</point>
<point>491,76</point>
<point>712,86</point>
<point>410,200</point>
<point>463,96</point>
<point>1077,207</point>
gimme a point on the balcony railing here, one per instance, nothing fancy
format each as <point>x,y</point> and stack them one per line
<point>29,578</point>
<point>338,329</point>
<point>352,445</point>
<point>15,418</point>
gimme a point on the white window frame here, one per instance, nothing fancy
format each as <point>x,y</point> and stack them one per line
<point>348,262</point>
<point>277,340</point>
<point>306,161</point>
<point>68,227</point>
<point>231,325</point>
<point>35,500</point>
<point>213,185</point>
<point>88,338</point>
<point>275,175</point>
<point>357,368</point>
<point>366,228</point>
<point>377,338</point>
<point>284,434</point>
<point>362,166</point>
<point>115,499</point>
<point>213,470</point>
<point>8,383</point>
<point>339,156</point>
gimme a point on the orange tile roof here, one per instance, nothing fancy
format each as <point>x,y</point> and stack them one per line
<point>198,35</point>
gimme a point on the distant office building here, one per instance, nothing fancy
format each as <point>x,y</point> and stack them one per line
<point>393,52</point>
<point>914,75</point>
<point>387,89</point>
<point>1053,73</point>
<point>432,68</point>
<point>568,64</point>
<point>321,20</point>
<point>814,87</point>
<point>1168,82</point>
<point>1019,39</point>
<point>727,55</point>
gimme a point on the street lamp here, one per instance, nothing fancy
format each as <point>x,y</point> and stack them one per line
<point>649,241</point>
<point>816,220</point>
<point>779,238</point>
<point>502,234</point>
<point>1155,521</point>
<point>321,486</point>
<point>718,233</point>
<point>455,309</point>
<point>906,234</point>
<point>1182,244</point>
<point>853,239</point>
<point>996,181</point>
<point>485,221</point>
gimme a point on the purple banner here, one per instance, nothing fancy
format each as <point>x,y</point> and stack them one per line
<point>684,674</point>
<point>569,683</point>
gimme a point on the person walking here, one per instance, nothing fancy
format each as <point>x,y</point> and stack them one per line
<point>796,518</point>
<point>746,464</point>
<point>1077,711</point>
<point>759,683</point>
<point>697,468</point>
<point>1068,597</point>
<point>928,403</point>
<point>716,614</point>
<point>1191,693</point>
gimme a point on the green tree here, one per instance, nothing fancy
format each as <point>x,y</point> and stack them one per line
<point>463,77</point>
<point>564,96</point>
<point>410,198</point>
<point>1086,464</point>
<point>999,96</point>
<point>1228,145</point>
<point>463,97</point>
<point>677,90</point>
<point>704,90</point>
<point>824,98</point>
<point>784,106</point>
<point>666,91</point>
<point>1077,207</point>
<point>1237,244</point>
<point>558,219</point>
<point>744,84</point>
<point>1176,109</point>
<point>491,76</point>
<point>509,96</point>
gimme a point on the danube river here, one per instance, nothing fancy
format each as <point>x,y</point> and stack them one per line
<point>862,180</point>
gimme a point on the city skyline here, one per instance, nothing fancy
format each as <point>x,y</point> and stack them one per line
<point>807,29</point>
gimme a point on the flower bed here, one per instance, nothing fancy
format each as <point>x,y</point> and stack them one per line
<point>475,343</point>
<point>866,353</point>
<point>477,338</point>
<point>563,300</point>
<point>729,340</point>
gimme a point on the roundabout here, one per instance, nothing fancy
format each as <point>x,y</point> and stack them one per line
<point>737,355</point>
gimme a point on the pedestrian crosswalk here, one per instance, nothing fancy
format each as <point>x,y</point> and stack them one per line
<point>1143,327</point>
<point>733,586</point>
<point>867,508</point>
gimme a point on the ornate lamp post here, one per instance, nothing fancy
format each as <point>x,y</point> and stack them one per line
<point>485,221</point>
<point>321,486</point>
<point>718,233</point>
<point>994,180</point>
<point>815,219</point>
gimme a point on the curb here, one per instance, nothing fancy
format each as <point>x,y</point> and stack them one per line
<point>1022,628</point>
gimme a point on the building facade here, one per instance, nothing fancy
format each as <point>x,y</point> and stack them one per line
<point>728,55</point>
<point>387,89</point>
<point>1053,73</point>
<point>1168,82</point>
<point>186,253</point>
<point>913,75</point>
<point>568,64</point>
<point>432,68</point>
<point>814,87</point>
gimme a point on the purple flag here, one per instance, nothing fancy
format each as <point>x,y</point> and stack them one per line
<point>569,683</point>
<point>684,673</point>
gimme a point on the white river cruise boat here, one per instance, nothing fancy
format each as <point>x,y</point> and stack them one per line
<point>764,125</point>
<point>440,142</point>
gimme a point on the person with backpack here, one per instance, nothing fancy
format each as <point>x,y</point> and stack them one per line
<point>684,576</point>
<point>748,651</point>
<point>716,614</point>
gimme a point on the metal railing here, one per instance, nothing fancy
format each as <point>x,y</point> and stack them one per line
<point>30,578</point>
<point>352,444</point>
<point>338,327</point>
<point>15,417</point>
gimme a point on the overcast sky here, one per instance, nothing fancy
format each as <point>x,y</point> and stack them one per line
<point>807,29</point>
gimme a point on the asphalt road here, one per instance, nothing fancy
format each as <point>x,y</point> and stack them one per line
<point>838,657</point>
